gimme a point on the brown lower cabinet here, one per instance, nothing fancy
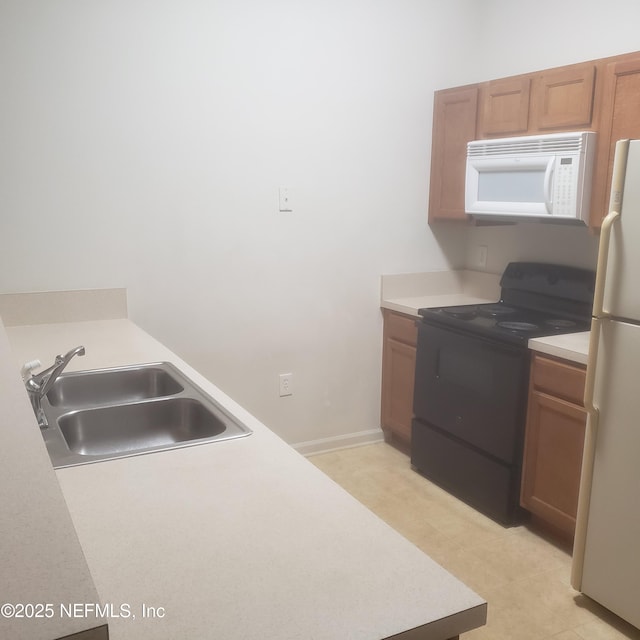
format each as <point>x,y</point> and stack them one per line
<point>400,337</point>
<point>554,439</point>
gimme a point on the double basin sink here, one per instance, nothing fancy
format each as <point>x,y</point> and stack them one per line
<point>113,413</point>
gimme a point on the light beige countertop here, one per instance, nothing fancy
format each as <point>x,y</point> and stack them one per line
<point>239,539</point>
<point>41,560</point>
<point>570,346</point>
<point>408,292</point>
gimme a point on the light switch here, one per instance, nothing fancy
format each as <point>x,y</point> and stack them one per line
<point>286,200</point>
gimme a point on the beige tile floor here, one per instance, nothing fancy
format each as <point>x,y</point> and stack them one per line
<point>523,577</point>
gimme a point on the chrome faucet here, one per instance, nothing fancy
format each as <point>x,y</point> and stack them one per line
<point>38,385</point>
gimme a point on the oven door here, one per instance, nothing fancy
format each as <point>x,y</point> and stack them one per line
<point>472,389</point>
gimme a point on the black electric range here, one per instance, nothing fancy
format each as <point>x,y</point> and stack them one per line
<point>472,372</point>
<point>537,300</point>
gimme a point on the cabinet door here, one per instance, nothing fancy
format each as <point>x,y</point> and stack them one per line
<point>398,371</point>
<point>454,124</point>
<point>563,98</point>
<point>620,118</point>
<point>553,460</point>
<point>397,388</point>
<point>504,107</point>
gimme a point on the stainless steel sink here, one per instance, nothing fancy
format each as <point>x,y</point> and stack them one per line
<point>105,386</point>
<point>113,413</point>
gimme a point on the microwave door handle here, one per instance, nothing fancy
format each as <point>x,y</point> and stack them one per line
<point>548,176</point>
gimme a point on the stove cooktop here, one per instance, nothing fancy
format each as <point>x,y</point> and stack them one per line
<point>504,322</point>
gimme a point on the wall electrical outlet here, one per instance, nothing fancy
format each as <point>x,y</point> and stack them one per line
<point>286,388</point>
<point>483,252</point>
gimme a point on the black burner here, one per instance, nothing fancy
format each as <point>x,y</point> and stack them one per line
<point>463,313</point>
<point>495,310</point>
<point>518,326</point>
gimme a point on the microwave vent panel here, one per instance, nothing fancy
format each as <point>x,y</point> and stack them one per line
<point>528,145</point>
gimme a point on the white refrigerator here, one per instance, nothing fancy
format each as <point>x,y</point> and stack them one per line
<point>606,559</point>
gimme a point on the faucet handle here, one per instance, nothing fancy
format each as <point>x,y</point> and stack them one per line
<point>28,367</point>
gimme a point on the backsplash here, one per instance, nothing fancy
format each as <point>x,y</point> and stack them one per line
<point>44,307</point>
<point>540,242</point>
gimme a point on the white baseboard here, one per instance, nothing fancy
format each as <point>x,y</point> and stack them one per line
<point>324,445</point>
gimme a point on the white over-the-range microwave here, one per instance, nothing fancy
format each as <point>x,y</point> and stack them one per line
<point>544,177</point>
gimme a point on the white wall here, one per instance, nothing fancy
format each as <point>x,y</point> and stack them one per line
<point>537,35</point>
<point>142,144</point>
<point>538,242</point>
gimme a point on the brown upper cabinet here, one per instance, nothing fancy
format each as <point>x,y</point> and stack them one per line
<point>454,124</point>
<point>562,99</point>
<point>600,95</point>
<point>554,100</point>
<point>504,107</point>
<point>620,118</point>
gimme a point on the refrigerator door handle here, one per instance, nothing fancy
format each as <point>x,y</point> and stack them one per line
<point>590,378</point>
<point>598,304</point>
<point>603,262</point>
<point>588,456</point>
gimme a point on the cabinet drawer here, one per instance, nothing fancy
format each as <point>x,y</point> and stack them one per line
<point>400,327</point>
<point>558,378</point>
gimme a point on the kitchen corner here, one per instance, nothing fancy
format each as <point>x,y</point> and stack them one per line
<point>236,539</point>
<point>466,369</point>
